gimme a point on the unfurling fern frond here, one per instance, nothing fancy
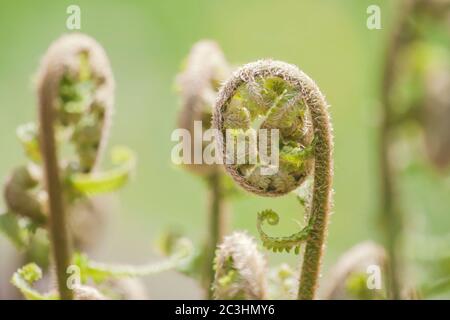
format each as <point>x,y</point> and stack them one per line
<point>294,139</point>
<point>240,269</point>
<point>348,278</point>
<point>205,69</point>
<point>279,244</point>
<point>75,87</point>
<point>23,280</point>
<point>198,84</point>
<point>267,96</point>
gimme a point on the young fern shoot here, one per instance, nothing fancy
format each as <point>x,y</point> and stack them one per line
<point>205,69</point>
<point>279,98</point>
<point>240,269</point>
<point>349,277</point>
<point>75,94</point>
<point>74,68</point>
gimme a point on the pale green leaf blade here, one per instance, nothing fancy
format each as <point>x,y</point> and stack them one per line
<point>100,182</point>
<point>10,226</point>
<point>100,272</point>
<point>28,136</point>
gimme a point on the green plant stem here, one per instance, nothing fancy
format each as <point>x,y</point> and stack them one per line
<point>216,227</point>
<point>59,233</point>
<point>390,211</point>
<point>391,218</point>
<point>321,202</point>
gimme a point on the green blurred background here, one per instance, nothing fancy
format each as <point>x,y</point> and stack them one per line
<point>147,42</point>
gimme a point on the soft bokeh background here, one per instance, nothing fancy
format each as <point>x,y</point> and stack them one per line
<point>147,42</point>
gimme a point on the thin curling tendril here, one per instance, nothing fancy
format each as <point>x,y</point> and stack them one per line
<point>278,244</point>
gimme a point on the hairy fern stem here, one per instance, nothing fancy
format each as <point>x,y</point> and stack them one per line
<point>216,227</point>
<point>321,201</point>
<point>276,96</point>
<point>59,233</point>
<point>75,95</point>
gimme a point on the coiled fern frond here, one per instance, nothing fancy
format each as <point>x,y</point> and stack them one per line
<point>277,98</point>
<point>205,69</point>
<point>265,96</point>
<point>76,81</point>
<point>348,277</point>
<point>240,269</point>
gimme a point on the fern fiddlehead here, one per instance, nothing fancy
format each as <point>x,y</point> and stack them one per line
<point>240,269</point>
<point>19,196</point>
<point>278,97</point>
<point>348,278</point>
<point>206,68</point>
<point>75,95</point>
<point>76,81</point>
